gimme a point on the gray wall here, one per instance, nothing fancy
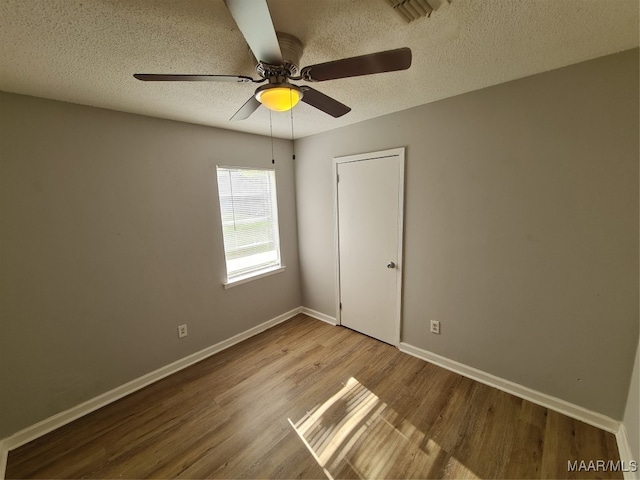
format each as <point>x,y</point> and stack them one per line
<point>521,227</point>
<point>111,238</point>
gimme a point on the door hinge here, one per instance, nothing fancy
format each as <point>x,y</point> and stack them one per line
<point>340,305</point>
<point>338,177</point>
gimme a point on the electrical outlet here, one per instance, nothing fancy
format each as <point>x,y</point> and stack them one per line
<point>182,331</point>
<point>435,327</point>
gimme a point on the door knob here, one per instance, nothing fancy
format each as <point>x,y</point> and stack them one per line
<point>391,265</point>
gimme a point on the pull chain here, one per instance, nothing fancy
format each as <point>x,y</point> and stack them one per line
<point>273,158</point>
<point>292,138</point>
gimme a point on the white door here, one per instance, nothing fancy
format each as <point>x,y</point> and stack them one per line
<point>369,191</point>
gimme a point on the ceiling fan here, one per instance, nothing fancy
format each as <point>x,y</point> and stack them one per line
<point>278,56</point>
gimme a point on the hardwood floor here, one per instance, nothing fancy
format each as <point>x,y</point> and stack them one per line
<point>256,410</point>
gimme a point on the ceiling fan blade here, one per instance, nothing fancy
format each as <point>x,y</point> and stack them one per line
<point>254,21</point>
<point>156,77</point>
<point>387,61</point>
<point>247,109</point>
<point>324,102</point>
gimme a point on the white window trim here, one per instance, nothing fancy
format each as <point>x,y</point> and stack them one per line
<point>253,276</point>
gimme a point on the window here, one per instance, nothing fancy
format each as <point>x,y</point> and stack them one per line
<point>249,213</point>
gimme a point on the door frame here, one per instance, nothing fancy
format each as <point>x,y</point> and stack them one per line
<point>394,152</point>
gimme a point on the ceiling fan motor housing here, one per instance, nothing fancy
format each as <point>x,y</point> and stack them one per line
<point>291,48</point>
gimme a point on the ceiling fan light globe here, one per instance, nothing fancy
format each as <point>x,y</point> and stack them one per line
<point>279,98</point>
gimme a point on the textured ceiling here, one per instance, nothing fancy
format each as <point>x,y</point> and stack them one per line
<point>85,51</point>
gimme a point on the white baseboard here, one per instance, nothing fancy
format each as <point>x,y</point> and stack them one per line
<point>625,453</point>
<point>574,411</point>
<point>56,421</point>
<point>4,454</point>
<point>318,315</point>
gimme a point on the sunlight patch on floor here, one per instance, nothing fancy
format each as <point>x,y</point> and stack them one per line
<point>354,434</point>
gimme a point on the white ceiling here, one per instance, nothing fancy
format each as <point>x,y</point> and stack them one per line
<point>85,52</point>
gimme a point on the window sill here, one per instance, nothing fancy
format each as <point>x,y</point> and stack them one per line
<point>253,276</point>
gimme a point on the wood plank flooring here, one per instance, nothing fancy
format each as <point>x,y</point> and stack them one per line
<point>259,409</point>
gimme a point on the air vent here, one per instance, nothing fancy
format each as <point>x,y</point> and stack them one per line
<point>411,10</point>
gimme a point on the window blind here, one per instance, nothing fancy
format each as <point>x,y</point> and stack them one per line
<point>249,213</point>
